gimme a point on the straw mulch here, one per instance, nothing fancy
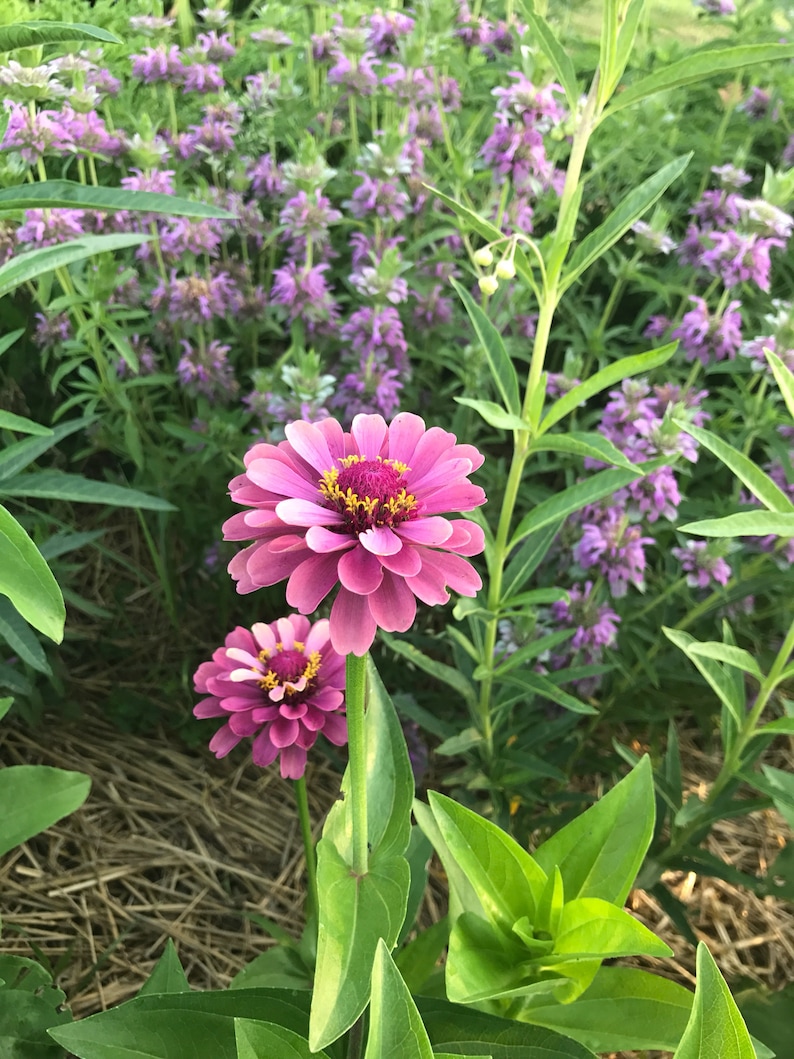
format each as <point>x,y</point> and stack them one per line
<point>173,843</point>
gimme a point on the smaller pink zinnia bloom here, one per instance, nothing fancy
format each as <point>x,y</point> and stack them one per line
<point>280,684</point>
<point>361,510</point>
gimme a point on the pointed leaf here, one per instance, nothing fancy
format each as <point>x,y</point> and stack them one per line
<point>611,375</point>
<point>698,66</point>
<point>31,34</point>
<point>70,194</point>
<point>721,683</point>
<point>493,414</point>
<point>257,1040</point>
<point>27,580</point>
<point>543,36</point>
<point>600,852</point>
<point>34,797</point>
<point>59,485</point>
<point>744,524</point>
<point>780,787</point>
<point>638,201</point>
<point>168,975</point>
<point>784,378</point>
<point>727,653</point>
<point>395,1025</point>
<point>502,370</point>
<point>528,558</point>
<point>33,263</point>
<point>484,963</point>
<point>715,1029</point>
<point>10,421</point>
<point>589,927</point>
<point>588,445</point>
<point>19,637</point>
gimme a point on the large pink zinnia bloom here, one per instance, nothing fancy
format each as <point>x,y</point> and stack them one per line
<point>362,510</point>
<point>281,684</point>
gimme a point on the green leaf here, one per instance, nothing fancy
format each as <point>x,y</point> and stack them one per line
<point>27,580</point>
<point>585,444</point>
<point>473,220</point>
<point>507,881</point>
<point>720,682</point>
<point>27,1016</point>
<point>418,855</point>
<point>462,896</point>
<point>28,266</point>
<point>70,194</point>
<point>770,1014</point>
<point>784,378</point>
<point>184,1025</point>
<point>356,912</point>
<point>780,787</point>
<point>759,484</point>
<point>465,1031</point>
<point>528,558</point>
<point>493,414</point>
<point>395,1025</point>
<point>782,726</point>
<point>484,963</point>
<point>452,677</point>
<point>600,852</point>
<point>715,1030</point>
<point>623,1009</point>
<point>168,975</point>
<point>543,36</point>
<point>34,797</point>
<point>5,706</point>
<point>744,524</point>
<point>698,66</point>
<point>614,373</point>
<point>575,497</point>
<point>417,960</point>
<point>20,639</point>
<point>59,485</point>
<point>7,341</point>
<point>590,927</point>
<point>267,1040</point>
<point>502,370</point>
<point>547,689</point>
<point>279,967</point>
<point>9,421</point>
<point>22,453</point>
<point>727,653</point>
<point>632,207</point>
<point>30,34</point>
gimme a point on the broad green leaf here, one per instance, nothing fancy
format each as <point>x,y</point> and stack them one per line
<point>418,855</point>
<point>25,1020</point>
<point>720,682</point>
<point>27,580</point>
<point>589,927</point>
<point>70,194</point>
<point>727,653</point>
<point>585,444</point>
<point>267,1040</point>
<point>395,1025</point>
<point>184,1025</point>
<point>34,797</point>
<point>452,677</point>
<point>697,67</point>
<point>33,263</point>
<point>637,202</point>
<point>462,896</point>
<point>355,914</point>
<point>769,1014</point>
<point>716,1029</point>
<point>460,1055</point>
<point>464,1031</point>
<point>59,485</point>
<point>784,378</point>
<point>9,421</point>
<point>279,967</point>
<point>493,414</point>
<point>502,370</point>
<point>30,34</point>
<point>623,1009</point>
<point>748,473</point>
<point>7,341</point>
<point>600,852</point>
<point>574,498</point>
<point>168,975</point>
<point>628,22</point>
<point>507,881</point>
<point>744,524</point>
<point>544,37</point>
<point>473,220</point>
<point>611,375</point>
<point>527,559</point>
<point>16,633</point>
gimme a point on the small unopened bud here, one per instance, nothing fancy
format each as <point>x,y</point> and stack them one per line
<point>506,269</point>
<point>489,284</point>
<point>483,257</point>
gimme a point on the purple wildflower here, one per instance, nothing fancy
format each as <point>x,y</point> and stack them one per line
<point>374,388</point>
<point>386,29</point>
<point>701,564</point>
<point>304,292</point>
<point>377,333</point>
<point>207,371</point>
<point>49,227</point>
<point>706,336</point>
<point>218,48</point>
<point>163,63</point>
<point>52,330</point>
<point>615,548</point>
<point>358,78</point>
<point>381,197</point>
<point>197,299</point>
<point>596,624</point>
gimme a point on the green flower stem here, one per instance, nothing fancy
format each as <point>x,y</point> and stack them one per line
<point>734,756</point>
<point>302,801</point>
<point>355,696</point>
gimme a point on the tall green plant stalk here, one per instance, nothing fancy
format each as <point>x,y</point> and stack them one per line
<point>355,696</point>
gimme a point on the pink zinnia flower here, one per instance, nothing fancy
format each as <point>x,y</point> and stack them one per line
<point>363,510</point>
<point>281,684</point>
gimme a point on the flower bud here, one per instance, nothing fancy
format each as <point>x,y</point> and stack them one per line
<point>488,284</point>
<point>483,257</point>
<point>506,269</point>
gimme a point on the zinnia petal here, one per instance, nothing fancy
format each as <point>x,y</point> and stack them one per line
<point>380,540</point>
<point>434,530</point>
<point>360,571</point>
<point>276,477</point>
<point>310,444</point>
<point>369,432</point>
<point>320,539</point>
<point>305,513</point>
<point>311,582</point>
<point>352,625</point>
<point>393,605</point>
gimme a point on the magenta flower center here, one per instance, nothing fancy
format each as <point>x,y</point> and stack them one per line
<point>368,493</point>
<point>290,669</point>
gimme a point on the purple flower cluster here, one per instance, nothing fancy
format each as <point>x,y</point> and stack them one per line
<point>702,564</point>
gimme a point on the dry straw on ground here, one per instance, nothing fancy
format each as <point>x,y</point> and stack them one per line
<point>172,843</point>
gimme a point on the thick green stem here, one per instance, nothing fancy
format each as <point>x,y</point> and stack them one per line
<point>355,698</point>
<point>302,801</point>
